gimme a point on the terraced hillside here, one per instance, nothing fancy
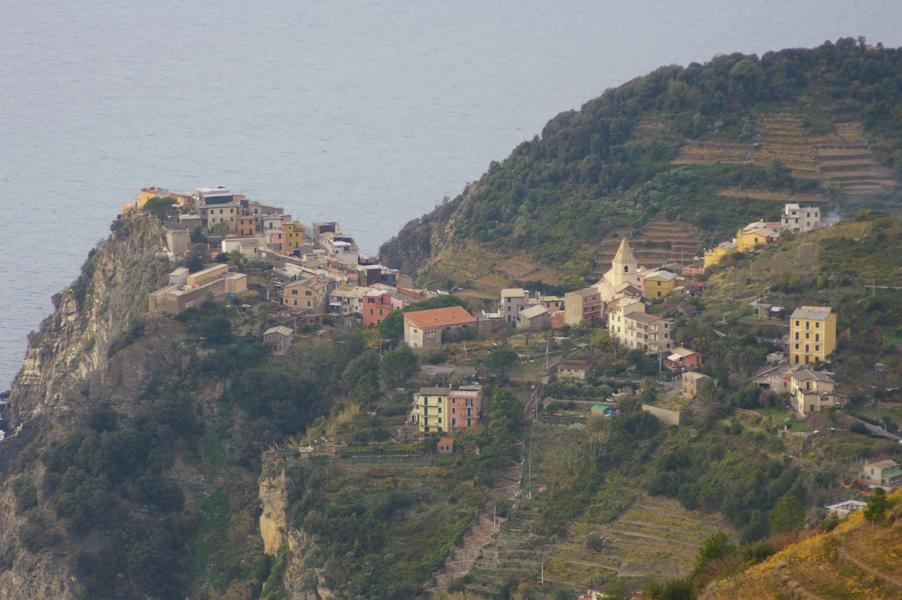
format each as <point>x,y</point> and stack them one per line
<point>856,560</point>
<point>659,242</point>
<point>842,158</point>
<point>655,538</point>
<point>715,145</point>
<point>542,545</point>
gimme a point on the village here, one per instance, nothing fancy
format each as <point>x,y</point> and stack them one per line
<point>315,280</point>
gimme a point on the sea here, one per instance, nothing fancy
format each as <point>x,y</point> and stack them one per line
<point>368,113</point>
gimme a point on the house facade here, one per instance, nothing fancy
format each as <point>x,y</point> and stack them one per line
<point>572,369</point>
<point>799,219</point>
<point>812,334</point>
<point>636,329</point>
<point>534,318</point>
<point>885,473</point>
<point>690,383</point>
<point>278,339</point>
<point>811,391</point>
<point>377,305</point>
<point>757,234</point>
<point>309,294</point>
<point>446,410</point>
<point>511,302</point>
<point>681,358</point>
<point>659,283</point>
<point>428,328</point>
<point>582,306</point>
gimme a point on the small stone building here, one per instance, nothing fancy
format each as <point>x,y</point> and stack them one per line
<point>278,339</point>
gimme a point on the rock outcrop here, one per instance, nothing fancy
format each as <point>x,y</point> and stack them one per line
<point>296,549</point>
<point>95,348</point>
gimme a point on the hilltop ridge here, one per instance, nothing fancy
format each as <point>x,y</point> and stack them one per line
<point>710,146</point>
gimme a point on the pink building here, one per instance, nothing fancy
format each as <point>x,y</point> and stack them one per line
<point>377,305</point>
<point>464,408</point>
<point>277,240</point>
<point>245,225</point>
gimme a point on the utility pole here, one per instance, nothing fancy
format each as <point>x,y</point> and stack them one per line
<point>546,358</point>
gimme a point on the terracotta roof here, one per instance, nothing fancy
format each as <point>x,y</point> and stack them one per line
<point>439,317</point>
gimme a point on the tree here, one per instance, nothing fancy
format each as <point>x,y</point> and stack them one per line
<point>197,257</point>
<point>161,208</point>
<point>716,547</point>
<point>500,360</point>
<point>396,367</point>
<point>877,506</point>
<point>787,516</point>
<point>505,417</point>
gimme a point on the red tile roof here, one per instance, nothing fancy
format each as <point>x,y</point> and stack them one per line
<point>439,317</point>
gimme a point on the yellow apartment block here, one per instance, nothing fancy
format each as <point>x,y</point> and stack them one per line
<point>431,409</point>
<point>295,236</point>
<point>812,334</point>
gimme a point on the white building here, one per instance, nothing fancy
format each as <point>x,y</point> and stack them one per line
<point>624,272</point>
<point>799,219</point>
<point>512,301</point>
<point>631,326</point>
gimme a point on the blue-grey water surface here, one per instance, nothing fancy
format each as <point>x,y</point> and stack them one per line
<point>364,112</point>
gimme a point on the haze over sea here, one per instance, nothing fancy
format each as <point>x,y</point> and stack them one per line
<point>366,113</point>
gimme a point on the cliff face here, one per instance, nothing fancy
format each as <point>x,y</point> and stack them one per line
<point>95,348</point>
<point>295,549</point>
<point>66,365</point>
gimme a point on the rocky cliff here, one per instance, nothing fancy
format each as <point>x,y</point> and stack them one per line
<point>294,550</point>
<point>94,349</point>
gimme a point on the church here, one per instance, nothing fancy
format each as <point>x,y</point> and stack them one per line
<point>622,279</point>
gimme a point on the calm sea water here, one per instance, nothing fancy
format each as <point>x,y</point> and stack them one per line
<point>367,113</point>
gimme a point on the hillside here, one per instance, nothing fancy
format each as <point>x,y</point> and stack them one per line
<point>858,559</point>
<point>676,159</point>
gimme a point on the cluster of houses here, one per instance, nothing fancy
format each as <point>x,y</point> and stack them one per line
<point>319,272</point>
<point>795,219</point>
<point>811,340</point>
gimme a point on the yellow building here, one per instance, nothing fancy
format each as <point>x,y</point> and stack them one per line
<point>295,236</point>
<point>430,409</point>
<point>715,254</point>
<point>657,284</point>
<point>441,409</point>
<point>757,234</point>
<point>812,334</point>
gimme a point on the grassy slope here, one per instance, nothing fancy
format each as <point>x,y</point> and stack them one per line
<point>852,561</point>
